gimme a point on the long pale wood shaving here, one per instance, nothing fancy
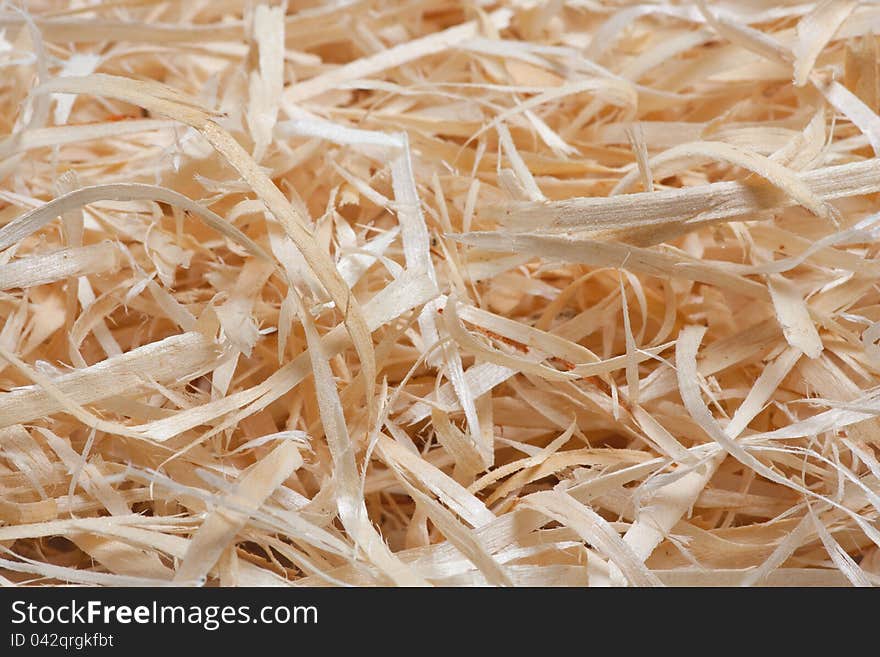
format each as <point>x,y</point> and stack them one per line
<point>440,293</point>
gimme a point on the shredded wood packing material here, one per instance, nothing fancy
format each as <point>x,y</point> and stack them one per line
<point>432,292</point>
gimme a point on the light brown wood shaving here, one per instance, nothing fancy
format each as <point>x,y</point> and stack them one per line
<point>439,293</point>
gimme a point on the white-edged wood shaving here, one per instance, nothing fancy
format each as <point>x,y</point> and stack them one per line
<point>440,293</point>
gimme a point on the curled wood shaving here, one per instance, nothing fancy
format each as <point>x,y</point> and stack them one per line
<point>439,293</point>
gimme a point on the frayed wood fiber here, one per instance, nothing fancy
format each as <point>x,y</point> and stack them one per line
<point>373,292</point>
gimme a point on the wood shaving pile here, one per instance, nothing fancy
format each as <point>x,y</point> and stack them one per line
<point>432,292</point>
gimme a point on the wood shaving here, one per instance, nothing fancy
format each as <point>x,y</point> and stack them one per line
<point>439,293</point>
